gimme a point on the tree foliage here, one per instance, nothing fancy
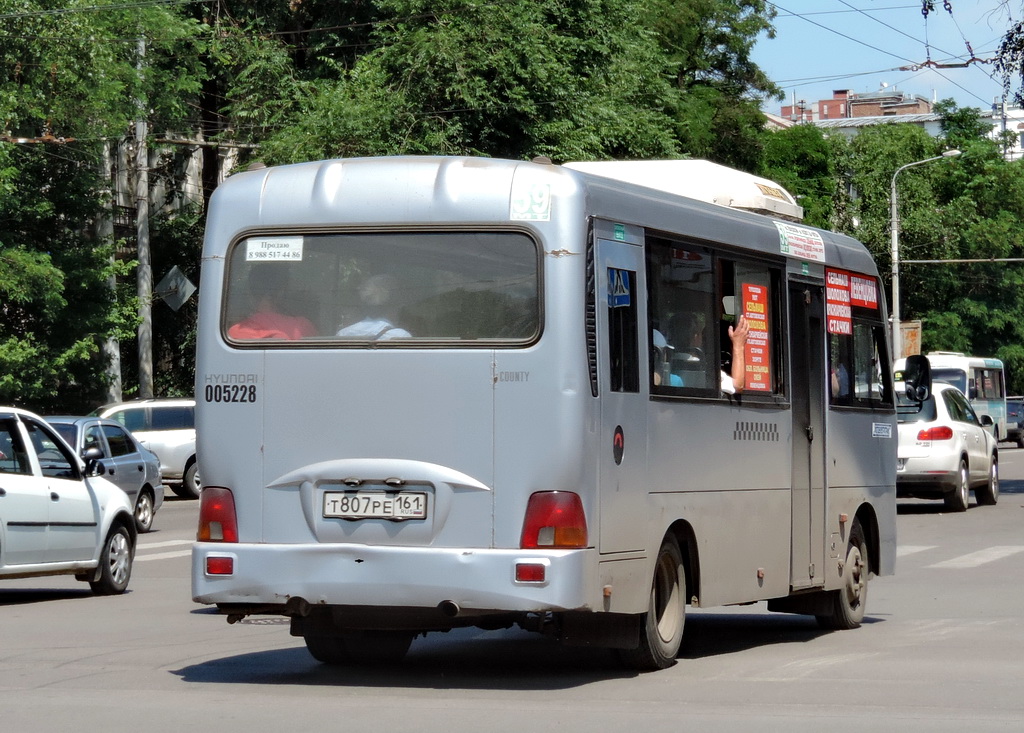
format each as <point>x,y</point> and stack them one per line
<point>569,79</point>
<point>71,77</point>
<point>967,208</point>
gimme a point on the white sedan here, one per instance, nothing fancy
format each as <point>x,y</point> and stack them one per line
<point>945,450</point>
<point>55,518</point>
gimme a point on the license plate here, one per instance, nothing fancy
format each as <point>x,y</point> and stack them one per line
<point>394,506</point>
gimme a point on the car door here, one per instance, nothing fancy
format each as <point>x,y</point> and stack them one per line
<point>127,467</point>
<point>24,502</point>
<point>975,442</point>
<point>72,513</point>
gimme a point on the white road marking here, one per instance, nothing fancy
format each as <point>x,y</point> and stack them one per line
<point>166,543</point>
<point>904,550</point>
<point>974,559</point>
<point>163,555</point>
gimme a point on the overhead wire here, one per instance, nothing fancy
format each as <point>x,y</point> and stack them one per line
<point>912,63</point>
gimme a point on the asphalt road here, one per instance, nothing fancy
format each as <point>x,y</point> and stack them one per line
<point>941,649</point>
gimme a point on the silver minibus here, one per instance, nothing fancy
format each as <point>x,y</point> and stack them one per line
<point>442,392</point>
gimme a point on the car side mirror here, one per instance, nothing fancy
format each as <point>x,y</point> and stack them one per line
<point>986,420</point>
<point>917,376</point>
<point>93,465</point>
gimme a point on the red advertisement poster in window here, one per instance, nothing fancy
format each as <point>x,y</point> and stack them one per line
<point>758,349</point>
<point>863,292</point>
<point>837,302</point>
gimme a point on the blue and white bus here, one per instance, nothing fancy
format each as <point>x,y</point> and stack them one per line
<point>981,379</point>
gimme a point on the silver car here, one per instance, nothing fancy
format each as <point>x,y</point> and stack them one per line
<point>125,462</point>
<point>56,519</point>
<point>945,450</point>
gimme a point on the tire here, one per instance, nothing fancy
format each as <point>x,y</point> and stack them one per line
<point>662,630</point>
<point>144,511</point>
<point>850,601</point>
<point>961,496</point>
<point>360,647</point>
<point>190,485</point>
<point>115,563</point>
<point>989,493</point>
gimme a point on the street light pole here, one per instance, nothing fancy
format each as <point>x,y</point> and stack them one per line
<point>894,226</point>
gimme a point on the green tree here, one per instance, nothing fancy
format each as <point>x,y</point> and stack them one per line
<point>72,77</point>
<point>56,306</point>
<point>810,165</point>
<point>570,80</point>
<point>708,44</point>
<point>967,208</point>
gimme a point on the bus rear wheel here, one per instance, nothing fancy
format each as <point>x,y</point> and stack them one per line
<point>849,602</point>
<point>662,632</point>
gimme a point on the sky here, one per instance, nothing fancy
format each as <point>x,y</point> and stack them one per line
<point>825,45</point>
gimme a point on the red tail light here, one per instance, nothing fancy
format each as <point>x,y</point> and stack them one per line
<point>554,519</point>
<point>938,433</point>
<point>217,520</point>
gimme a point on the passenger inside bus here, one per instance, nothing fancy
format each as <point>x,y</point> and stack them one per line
<point>731,382</point>
<point>375,296</point>
<point>267,298</point>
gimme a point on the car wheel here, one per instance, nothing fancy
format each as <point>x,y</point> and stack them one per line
<point>662,631</point>
<point>1020,442</point>
<point>144,511</point>
<point>115,563</point>
<point>849,602</point>
<point>959,499</point>
<point>189,487</point>
<point>989,494</point>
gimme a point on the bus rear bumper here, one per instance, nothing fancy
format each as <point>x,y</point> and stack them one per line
<point>272,575</point>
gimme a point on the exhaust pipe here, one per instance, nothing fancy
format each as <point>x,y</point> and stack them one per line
<point>449,608</point>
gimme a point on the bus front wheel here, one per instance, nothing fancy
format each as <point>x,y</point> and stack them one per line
<point>662,630</point>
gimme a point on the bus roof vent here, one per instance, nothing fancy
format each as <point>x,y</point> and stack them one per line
<point>701,180</point>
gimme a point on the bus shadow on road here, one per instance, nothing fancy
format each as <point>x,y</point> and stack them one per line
<point>505,660</point>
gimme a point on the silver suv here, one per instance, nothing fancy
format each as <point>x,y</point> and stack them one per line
<point>168,428</point>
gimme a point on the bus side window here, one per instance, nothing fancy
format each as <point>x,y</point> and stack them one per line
<point>680,306</point>
<point>749,290</point>
<point>623,349</point>
<point>856,367</point>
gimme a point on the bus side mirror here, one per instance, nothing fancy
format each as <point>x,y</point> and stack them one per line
<point>917,376</point>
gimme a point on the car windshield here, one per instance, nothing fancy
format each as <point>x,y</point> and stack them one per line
<point>66,431</point>
<point>908,410</point>
<point>956,377</point>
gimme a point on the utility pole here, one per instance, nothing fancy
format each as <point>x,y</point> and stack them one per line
<point>105,234</point>
<point>144,272</point>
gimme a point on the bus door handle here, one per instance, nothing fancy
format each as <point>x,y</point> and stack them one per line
<point>810,433</point>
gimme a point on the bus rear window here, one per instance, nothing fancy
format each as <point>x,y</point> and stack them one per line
<point>393,289</point>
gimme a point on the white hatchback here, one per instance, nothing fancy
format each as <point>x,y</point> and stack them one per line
<point>167,427</point>
<point>945,450</point>
<point>55,518</point>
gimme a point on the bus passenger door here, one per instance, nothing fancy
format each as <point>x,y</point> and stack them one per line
<point>621,315</point>
<point>807,346</point>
